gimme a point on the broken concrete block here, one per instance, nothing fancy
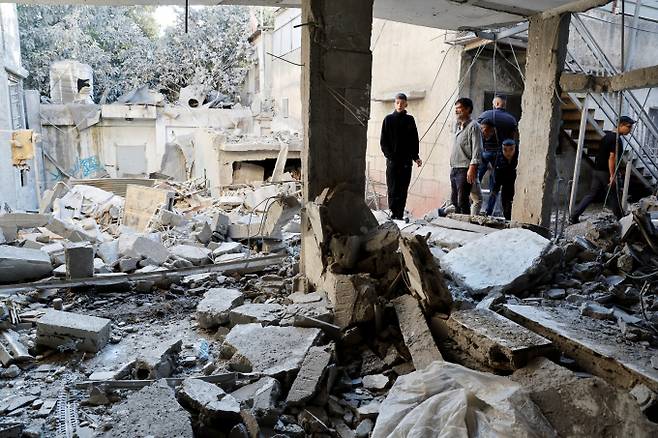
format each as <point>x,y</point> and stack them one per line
<point>271,350</point>
<point>203,234</point>
<point>279,213</point>
<point>416,333</point>
<point>142,203</point>
<point>151,411</point>
<point>426,281</point>
<point>142,247</point>
<point>228,248</point>
<point>214,308</point>
<point>310,376</point>
<point>351,296</point>
<point>245,231</point>
<point>477,265</point>
<point>219,223</point>
<point>375,382</point>
<point>597,311</point>
<point>171,219</point>
<point>21,264</point>
<point>260,397</point>
<point>107,251</point>
<point>157,362</point>
<point>495,340</point>
<point>87,333</point>
<point>79,261</point>
<point>212,403</point>
<point>194,254</point>
<point>264,314</point>
<point>383,238</point>
<point>23,220</point>
<point>128,264</point>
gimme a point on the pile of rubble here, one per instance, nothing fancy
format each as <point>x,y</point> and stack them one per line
<point>390,332</point>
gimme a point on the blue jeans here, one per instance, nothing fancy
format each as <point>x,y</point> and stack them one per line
<point>487,157</point>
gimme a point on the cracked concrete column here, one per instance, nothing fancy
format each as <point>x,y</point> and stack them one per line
<point>539,129</point>
<point>336,79</point>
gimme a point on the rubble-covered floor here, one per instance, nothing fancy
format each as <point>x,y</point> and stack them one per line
<point>194,333</point>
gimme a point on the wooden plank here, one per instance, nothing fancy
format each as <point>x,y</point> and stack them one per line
<point>254,264</point>
<point>142,203</point>
<point>594,344</point>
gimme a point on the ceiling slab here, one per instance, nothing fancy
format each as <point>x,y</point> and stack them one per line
<point>441,14</point>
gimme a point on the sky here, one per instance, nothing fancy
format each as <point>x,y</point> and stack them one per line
<point>165,16</point>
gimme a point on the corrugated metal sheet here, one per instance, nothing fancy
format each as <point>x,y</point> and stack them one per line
<point>114,185</point>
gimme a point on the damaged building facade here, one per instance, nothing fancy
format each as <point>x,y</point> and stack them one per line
<point>290,306</point>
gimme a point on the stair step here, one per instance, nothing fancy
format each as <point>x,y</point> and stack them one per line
<point>575,115</point>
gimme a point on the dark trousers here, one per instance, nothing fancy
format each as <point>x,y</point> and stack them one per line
<point>398,177</point>
<point>460,190</point>
<point>599,189</point>
<point>503,184</point>
<point>488,157</point>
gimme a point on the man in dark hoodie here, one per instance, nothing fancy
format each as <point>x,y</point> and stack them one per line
<point>399,143</point>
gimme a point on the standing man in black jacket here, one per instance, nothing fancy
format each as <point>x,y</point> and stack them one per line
<point>399,142</point>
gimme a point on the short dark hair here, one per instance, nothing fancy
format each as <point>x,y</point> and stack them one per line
<point>501,97</point>
<point>400,96</point>
<point>509,142</point>
<point>465,102</point>
<point>487,121</point>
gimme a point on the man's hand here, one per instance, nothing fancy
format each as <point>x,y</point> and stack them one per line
<point>471,174</point>
<point>418,162</point>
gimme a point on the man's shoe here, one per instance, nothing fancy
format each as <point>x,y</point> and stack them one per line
<point>573,220</point>
<point>441,212</point>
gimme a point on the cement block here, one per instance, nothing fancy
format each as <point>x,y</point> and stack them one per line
<point>214,308</point>
<point>137,246</point>
<point>481,271</point>
<point>109,251</point>
<point>24,220</point>
<point>352,298</point>
<point>79,261</point>
<point>209,400</point>
<point>57,328</point>
<point>228,248</point>
<point>264,314</point>
<point>271,350</point>
<point>495,340</point>
<point>310,376</point>
<point>416,333</point>
<point>260,396</point>
<point>194,254</point>
<point>22,264</point>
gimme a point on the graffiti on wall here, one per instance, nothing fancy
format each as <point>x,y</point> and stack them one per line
<point>82,168</point>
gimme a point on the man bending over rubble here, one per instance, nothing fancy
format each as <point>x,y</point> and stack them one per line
<point>604,175</point>
<point>399,143</point>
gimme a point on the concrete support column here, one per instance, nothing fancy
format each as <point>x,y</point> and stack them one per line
<point>539,129</point>
<point>336,77</point>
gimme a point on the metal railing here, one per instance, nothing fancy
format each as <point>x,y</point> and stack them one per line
<point>643,140</point>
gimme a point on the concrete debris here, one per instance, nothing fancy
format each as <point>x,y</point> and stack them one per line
<point>495,340</point>
<point>158,362</point>
<point>260,397</point>
<point>375,382</point>
<point>481,271</point>
<point>22,264</point>
<point>310,375</point>
<point>265,314</point>
<point>71,330</point>
<point>426,281</point>
<point>416,333</point>
<point>79,260</point>
<point>210,401</point>
<point>194,254</point>
<point>214,309</point>
<point>351,296</point>
<point>271,350</point>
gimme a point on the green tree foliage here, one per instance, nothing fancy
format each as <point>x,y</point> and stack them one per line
<point>124,47</point>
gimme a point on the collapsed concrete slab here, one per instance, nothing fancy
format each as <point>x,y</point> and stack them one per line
<point>72,330</point>
<point>495,340</point>
<point>259,397</point>
<point>506,261</point>
<point>416,333</point>
<point>426,281</point>
<point>151,411</point>
<point>270,350</point>
<point>279,213</point>
<point>209,400</point>
<point>22,264</point>
<point>158,362</point>
<point>194,254</point>
<point>310,376</point>
<point>214,309</point>
<point>591,342</point>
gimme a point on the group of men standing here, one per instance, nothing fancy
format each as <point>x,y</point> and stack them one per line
<point>488,143</point>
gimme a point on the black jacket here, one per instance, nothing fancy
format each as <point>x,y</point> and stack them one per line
<point>399,140</point>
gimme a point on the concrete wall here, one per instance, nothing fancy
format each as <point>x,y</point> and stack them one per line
<point>19,195</point>
<point>286,77</point>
